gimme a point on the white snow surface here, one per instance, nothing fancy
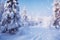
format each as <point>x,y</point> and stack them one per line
<point>33,34</point>
<point>43,31</point>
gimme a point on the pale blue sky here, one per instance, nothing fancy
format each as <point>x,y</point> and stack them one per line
<point>37,7</point>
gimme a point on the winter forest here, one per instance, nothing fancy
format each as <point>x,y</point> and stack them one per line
<point>18,23</point>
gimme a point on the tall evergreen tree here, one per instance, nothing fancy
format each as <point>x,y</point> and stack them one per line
<point>11,18</point>
<point>57,13</point>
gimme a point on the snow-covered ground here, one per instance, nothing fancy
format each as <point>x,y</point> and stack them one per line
<point>42,31</point>
<point>37,32</point>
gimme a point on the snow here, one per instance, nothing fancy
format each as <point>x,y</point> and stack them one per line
<point>32,28</point>
<point>42,31</point>
<point>36,33</point>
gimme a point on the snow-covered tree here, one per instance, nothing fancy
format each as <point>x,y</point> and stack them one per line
<point>57,13</point>
<point>24,16</point>
<point>10,18</point>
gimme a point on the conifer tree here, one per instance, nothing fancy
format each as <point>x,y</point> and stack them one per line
<point>11,18</point>
<point>57,13</point>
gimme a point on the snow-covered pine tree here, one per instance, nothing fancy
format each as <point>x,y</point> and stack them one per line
<point>57,13</point>
<point>24,17</point>
<point>10,18</point>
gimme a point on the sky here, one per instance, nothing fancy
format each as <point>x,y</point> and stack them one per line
<point>37,7</point>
